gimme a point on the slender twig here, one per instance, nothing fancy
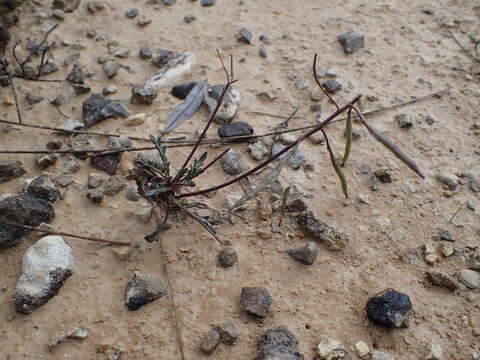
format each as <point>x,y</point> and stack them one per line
<point>57,108</point>
<point>318,127</point>
<point>71,131</point>
<point>204,142</point>
<point>51,232</point>
<point>456,212</point>
<point>284,124</point>
<point>14,92</point>
<point>317,80</point>
<point>271,115</point>
<point>462,46</point>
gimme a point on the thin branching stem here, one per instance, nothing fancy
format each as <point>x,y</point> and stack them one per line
<point>317,80</point>
<point>274,157</point>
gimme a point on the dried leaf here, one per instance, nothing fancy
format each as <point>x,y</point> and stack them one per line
<point>393,148</point>
<point>337,168</point>
<point>348,134</point>
<point>266,181</point>
<point>189,107</point>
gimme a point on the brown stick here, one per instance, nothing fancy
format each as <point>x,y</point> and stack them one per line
<point>111,242</point>
<point>14,92</point>
<point>459,43</point>
<point>190,143</point>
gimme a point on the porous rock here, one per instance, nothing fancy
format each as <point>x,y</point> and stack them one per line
<point>256,301</point>
<point>22,209</point>
<point>390,309</point>
<point>332,238</point>
<point>143,289</point>
<point>46,265</point>
<point>278,344</point>
<point>43,187</point>
<point>10,169</point>
<point>306,254</point>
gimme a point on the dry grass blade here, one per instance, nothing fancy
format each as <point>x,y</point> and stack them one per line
<point>390,146</point>
<point>271,177</point>
<point>186,110</point>
<point>337,168</point>
<point>348,134</point>
<point>201,221</point>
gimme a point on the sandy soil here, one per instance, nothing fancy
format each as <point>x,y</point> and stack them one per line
<point>407,54</point>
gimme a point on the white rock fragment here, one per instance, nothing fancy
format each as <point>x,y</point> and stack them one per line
<point>329,349</point>
<point>46,265</point>
<point>362,349</point>
<point>435,351</point>
<point>173,72</point>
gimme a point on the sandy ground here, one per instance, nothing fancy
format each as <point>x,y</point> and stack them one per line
<point>406,54</point>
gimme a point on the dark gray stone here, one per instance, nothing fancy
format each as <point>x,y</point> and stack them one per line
<point>62,98</point>
<point>245,35</point>
<point>143,289</point>
<point>181,91</point>
<point>169,2</point>
<point>110,68</point>
<point>46,160</point>
<point>404,121</point>
<point>95,195</point>
<point>81,89</point>
<point>131,13</point>
<point>265,39</point>
<point>107,163</point>
<point>332,238</point>
<point>145,52</point>
<point>228,333</point>
<point>189,18</point>
<point>351,41</point>
<point>429,120</point>
<point>390,309</point>
<point>76,76</point>
<point>10,169</point>
<point>142,95</point>
<point>278,344</point>
<point>66,5</point>
<point>306,254</point>
<point>22,209</point>
<point>209,342</point>
<point>231,162</point>
<point>113,185</point>
<point>208,2</point>
<point>33,99</point>
<point>162,57</point>
<point>332,86</point>
<point>235,129</point>
<point>43,187</point>
<point>227,257</point>
<point>97,108</point>
<point>256,301</point>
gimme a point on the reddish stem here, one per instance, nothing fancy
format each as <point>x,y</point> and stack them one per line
<point>280,153</point>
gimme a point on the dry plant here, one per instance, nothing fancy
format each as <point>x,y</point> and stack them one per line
<point>157,184</point>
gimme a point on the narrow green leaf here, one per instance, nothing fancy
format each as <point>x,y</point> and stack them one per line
<point>337,168</point>
<point>348,135</point>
